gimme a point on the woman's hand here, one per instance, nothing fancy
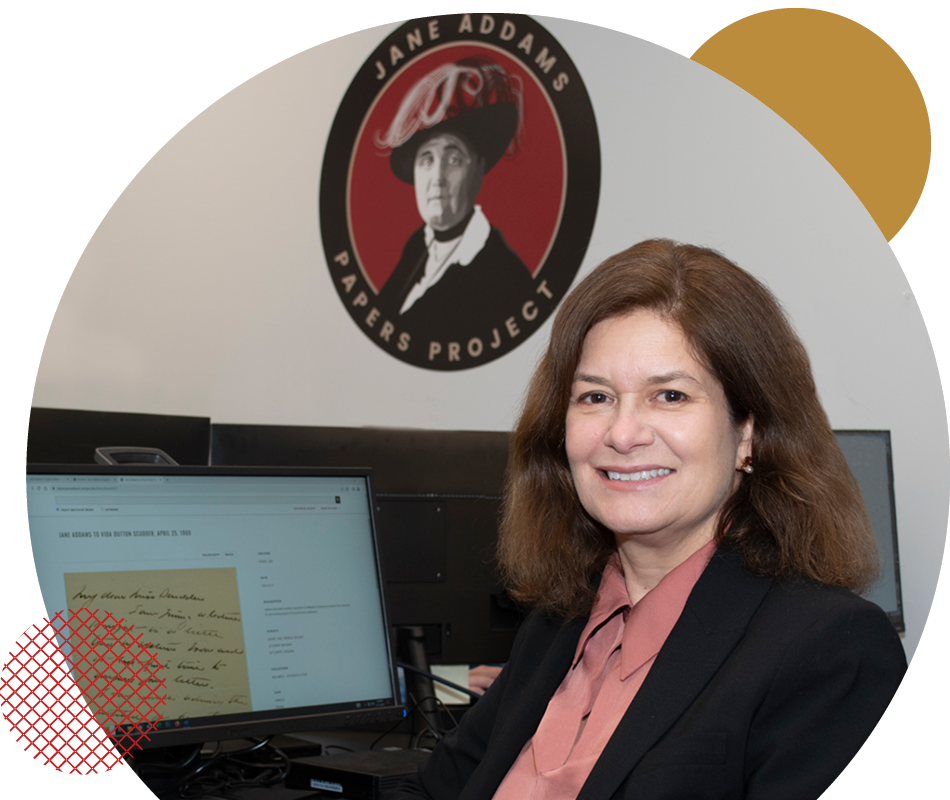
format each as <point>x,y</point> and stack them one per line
<point>481,677</point>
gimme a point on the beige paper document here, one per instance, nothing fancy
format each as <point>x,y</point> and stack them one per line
<point>189,618</point>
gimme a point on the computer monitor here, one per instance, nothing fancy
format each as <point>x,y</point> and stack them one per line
<point>868,454</point>
<point>258,590</point>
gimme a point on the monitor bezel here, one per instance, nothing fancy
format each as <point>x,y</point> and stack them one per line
<point>266,722</point>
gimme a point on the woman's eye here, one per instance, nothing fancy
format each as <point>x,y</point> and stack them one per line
<point>593,397</point>
<point>672,396</point>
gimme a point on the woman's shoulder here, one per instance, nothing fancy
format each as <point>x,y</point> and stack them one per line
<point>791,611</point>
<point>541,625</point>
<point>792,594</point>
<point>805,608</point>
<point>804,594</point>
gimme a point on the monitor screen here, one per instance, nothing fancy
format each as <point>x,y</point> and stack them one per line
<point>868,454</point>
<point>257,590</point>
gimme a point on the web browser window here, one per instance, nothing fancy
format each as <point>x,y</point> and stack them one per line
<point>255,592</point>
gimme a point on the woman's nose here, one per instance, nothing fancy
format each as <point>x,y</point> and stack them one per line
<point>629,428</point>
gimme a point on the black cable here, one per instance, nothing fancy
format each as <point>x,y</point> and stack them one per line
<point>232,754</point>
<point>435,677</point>
<point>409,713</point>
<point>447,712</point>
<point>415,741</point>
<point>229,771</point>
<point>147,768</point>
<point>417,708</point>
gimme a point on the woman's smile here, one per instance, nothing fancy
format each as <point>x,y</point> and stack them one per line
<point>639,476</point>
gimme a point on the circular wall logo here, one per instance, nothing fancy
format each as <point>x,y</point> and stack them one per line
<point>459,188</point>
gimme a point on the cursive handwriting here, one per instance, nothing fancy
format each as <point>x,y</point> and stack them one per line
<point>194,634</point>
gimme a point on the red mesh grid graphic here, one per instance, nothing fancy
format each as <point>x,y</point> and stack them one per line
<point>65,717</point>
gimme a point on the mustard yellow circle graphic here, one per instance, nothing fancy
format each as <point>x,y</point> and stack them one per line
<point>845,90</point>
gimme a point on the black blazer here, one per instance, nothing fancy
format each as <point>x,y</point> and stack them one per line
<point>764,690</point>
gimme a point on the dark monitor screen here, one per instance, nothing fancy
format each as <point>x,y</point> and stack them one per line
<point>868,454</point>
<point>258,590</point>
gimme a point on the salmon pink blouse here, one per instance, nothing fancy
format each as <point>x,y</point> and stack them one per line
<point>615,652</point>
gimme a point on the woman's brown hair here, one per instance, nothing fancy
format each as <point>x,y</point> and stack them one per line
<point>799,513</point>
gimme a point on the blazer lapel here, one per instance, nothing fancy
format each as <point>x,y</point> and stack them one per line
<point>534,693</point>
<point>712,623</point>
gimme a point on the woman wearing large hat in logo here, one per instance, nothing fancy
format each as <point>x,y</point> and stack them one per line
<point>451,129</point>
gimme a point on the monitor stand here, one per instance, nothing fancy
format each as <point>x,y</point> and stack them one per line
<point>411,648</point>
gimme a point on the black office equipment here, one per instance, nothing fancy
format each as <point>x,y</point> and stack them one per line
<point>868,454</point>
<point>70,436</point>
<point>134,455</point>
<point>355,776</point>
<point>258,590</point>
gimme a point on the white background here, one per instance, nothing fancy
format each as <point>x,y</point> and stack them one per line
<point>92,91</point>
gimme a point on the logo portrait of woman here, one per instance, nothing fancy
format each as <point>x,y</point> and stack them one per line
<point>451,129</point>
<point>460,184</point>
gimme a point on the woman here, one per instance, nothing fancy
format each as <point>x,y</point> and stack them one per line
<point>452,127</point>
<point>681,517</point>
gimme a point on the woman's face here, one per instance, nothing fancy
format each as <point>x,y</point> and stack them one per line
<point>651,445</point>
<point>447,175</point>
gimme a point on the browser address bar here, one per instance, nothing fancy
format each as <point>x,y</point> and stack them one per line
<point>193,500</point>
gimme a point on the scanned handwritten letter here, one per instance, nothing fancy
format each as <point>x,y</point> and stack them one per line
<point>192,621</point>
